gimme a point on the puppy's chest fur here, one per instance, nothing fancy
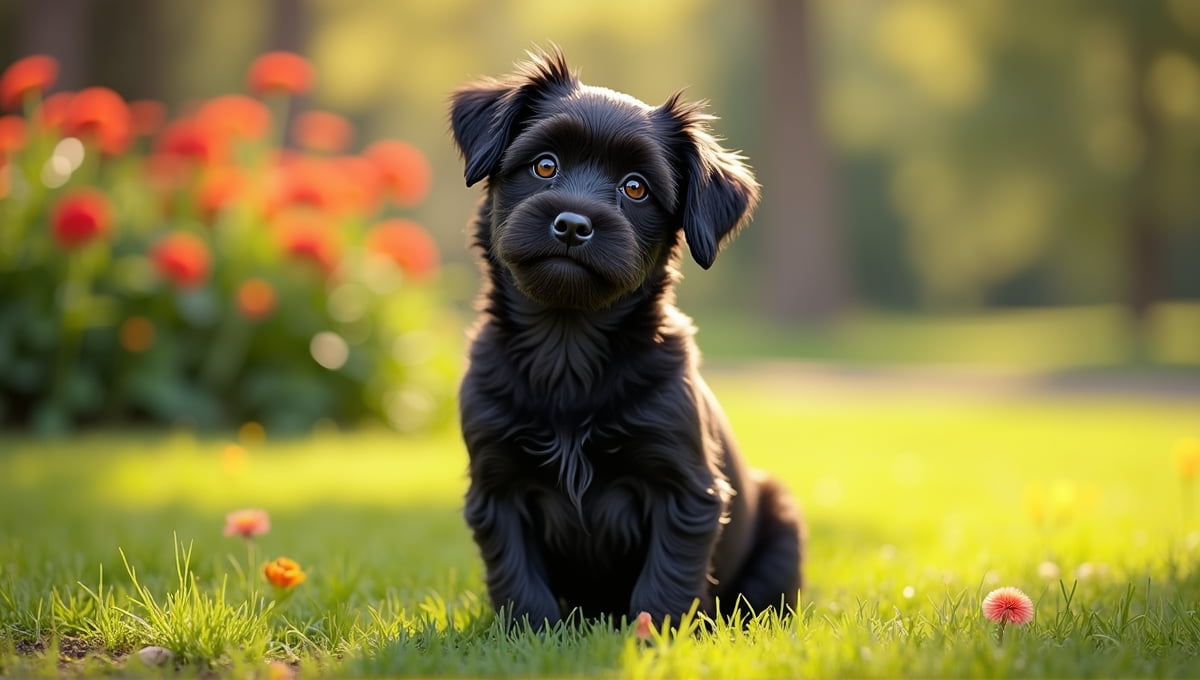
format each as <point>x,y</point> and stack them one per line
<point>587,426</point>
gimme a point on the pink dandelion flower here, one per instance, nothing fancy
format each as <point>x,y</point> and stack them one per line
<point>1008,605</point>
<point>247,523</point>
<point>643,628</point>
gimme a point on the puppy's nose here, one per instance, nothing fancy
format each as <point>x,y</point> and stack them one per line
<point>571,228</point>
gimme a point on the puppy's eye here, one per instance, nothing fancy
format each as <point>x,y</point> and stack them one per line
<point>634,188</point>
<point>546,166</point>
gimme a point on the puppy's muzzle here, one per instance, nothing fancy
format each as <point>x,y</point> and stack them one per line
<point>572,228</point>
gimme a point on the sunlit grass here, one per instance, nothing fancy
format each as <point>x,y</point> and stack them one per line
<point>918,500</point>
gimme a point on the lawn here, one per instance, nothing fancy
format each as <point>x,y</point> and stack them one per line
<point>921,497</point>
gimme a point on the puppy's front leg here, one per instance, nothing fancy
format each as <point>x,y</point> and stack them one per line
<point>684,527</point>
<point>516,575</point>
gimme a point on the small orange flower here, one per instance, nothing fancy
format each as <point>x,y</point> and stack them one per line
<point>54,110</point>
<point>136,334</point>
<point>24,77</point>
<point>322,131</point>
<point>1186,456</point>
<point>12,135</point>
<point>643,628</point>
<point>148,116</point>
<point>285,72</point>
<point>247,523</point>
<point>236,116</point>
<point>80,217</point>
<point>100,115</point>
<point>183,259</point>
<point>255,299</point>
<point>407,244</point>
<point>284,573</point>
<point>1008,605</point>
<point>406,172</point>
<point>363,186</point>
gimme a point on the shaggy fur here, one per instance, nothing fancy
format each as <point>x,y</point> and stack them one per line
<point>603,475</point>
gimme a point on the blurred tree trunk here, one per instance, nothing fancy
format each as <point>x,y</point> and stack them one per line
<point>289,26</point>
<point>59,28</point>
<point>1145,237</point>
<point>804,259</point>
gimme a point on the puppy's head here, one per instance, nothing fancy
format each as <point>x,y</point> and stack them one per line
<point>590,188</point>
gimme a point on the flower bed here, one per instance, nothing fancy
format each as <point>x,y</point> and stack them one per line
<point>210,269</point>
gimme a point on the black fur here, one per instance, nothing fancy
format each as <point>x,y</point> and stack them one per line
<point>603,476</point>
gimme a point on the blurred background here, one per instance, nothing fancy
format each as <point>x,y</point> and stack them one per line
<point>969,182</point>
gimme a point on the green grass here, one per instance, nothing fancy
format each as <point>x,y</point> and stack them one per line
<point>918,503</point>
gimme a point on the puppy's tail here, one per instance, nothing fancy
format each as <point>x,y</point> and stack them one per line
<point>773,572</point>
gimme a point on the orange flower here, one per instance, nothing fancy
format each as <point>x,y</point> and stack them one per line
<point>137,334</point>
<point>407,244</point>
<point>284,573</point>
<point>1186,456</point>
<point>183,259</point>
<point>247,523</point>
<point>255,299</point>
<point>54,110</point>
<point>191,139</point>
<point>310,183</point>
<point>364,184</point>
<point>322,131</point>
<point>235,116</point>
<point>25,77</point>
<point>219,189</point>
<point>285,72</point>
<point>80,217</point>
<point>147,116</point>
<point>406,173</point>
<point>100,115</point>
<point>303,236</point>
<point>12,135</point>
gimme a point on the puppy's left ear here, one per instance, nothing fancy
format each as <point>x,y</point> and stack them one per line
<point>718,191</point>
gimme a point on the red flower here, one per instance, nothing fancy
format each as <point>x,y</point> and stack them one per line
<point>407,244</point>
<point>284,573</point>
<point>322,131</point>
<point>280,72</point>
<point>148,116</point>
<point>314,183</point>
<point>236,116</point>
<point>100,115</point>
<point>1008,605</point>
<point>406,173</point>
<point>80,217</point>
<point>24,77</point>
<point>219,189</point>
<point>12,135</point>
<point>190,139</point>
<point>303,236</point>
<point>247,523</point>
<point>183,259</point>
<point>255,299</point>
<point>54,110</point>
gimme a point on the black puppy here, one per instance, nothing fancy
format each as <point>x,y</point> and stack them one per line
<point>603,475</point>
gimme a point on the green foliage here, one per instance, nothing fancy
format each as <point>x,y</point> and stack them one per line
<point>918,504</point>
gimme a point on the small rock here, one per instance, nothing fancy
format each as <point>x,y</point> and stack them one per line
<point>155,655</point>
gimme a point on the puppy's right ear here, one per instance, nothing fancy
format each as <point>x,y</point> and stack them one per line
<point>485,116</point>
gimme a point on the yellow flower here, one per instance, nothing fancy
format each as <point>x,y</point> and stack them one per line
<point>284,573</point>
<point>1186,456</point>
